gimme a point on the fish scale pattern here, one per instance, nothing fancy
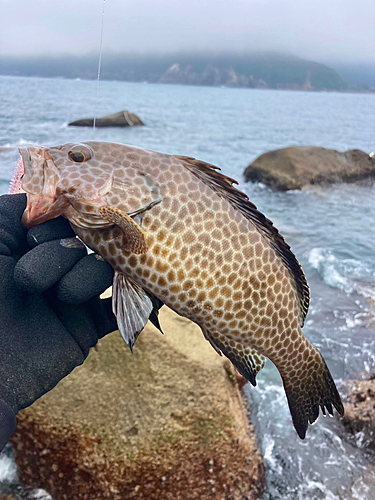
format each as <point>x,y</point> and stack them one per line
<point>205,260</point>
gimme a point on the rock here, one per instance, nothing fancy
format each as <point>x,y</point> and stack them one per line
<point>10,487</point>
<point>297,167</point>
<point>166,422</point>
<point>359,418</point>
<point>120,119</point>
<point>21,493</point>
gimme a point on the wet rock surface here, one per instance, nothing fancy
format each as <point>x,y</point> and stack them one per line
<point>10,486</point>
<point>359,418</point>
<point>298,167</point>
<point>120,119</point>
<point>167,421</point>
<point>23,493</point>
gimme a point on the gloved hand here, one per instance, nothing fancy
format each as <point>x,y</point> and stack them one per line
<point>50,310</point>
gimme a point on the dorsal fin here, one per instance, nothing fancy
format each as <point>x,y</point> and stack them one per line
<point>223,187</point>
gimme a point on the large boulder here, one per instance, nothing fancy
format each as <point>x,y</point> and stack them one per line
<point>297,167</point>
<point>166,422</point>
<point>120,119</point>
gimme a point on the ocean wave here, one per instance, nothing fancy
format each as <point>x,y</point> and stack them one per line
<point>327,266</point>
<point>348,275</point>
<point>21,142</point>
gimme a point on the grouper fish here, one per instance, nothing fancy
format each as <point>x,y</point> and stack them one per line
<point>177,231</point>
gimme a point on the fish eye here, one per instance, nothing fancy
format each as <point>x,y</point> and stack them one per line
<point>77,156</point>
<point>80,154</point>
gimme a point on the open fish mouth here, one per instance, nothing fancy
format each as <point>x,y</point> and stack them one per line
<point>32,175</point>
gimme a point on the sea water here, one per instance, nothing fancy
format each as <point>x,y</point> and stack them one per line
<point>330,229</point>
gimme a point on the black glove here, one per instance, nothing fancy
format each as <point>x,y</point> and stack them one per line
<point>50,312</point>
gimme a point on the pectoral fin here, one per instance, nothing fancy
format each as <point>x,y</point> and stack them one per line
<point>134,236</point>
<point>132,307</point>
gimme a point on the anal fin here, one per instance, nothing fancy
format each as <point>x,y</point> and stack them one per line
<point>154,316</point>
<point>208,337</point>
<point>134,236</point>
<point>247,360</point>
<point>254,362</point>
<point>132,307</point>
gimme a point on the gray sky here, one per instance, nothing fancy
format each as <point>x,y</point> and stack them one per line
<point>323,30</point>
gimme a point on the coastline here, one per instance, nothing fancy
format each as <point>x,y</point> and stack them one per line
<point>284,89</point>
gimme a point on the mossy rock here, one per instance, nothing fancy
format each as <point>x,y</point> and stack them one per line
<point>164,422</point>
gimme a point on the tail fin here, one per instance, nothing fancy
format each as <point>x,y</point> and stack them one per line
<point>315,389</point>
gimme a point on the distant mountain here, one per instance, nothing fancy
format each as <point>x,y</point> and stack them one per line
<point>255,70</point>
<point>359,75</point>
<point>258,70</point>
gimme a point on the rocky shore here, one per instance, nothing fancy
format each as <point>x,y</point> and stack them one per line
<point>167,421</point>
<point>298,167</point>
<point>359,418</point>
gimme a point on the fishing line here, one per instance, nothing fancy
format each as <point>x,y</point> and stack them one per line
<point>99,63</point>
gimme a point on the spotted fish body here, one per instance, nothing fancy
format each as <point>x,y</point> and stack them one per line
<point>176,229</point>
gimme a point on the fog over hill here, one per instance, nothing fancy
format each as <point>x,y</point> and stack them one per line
<point>253,70</point>
<point>355,73</point>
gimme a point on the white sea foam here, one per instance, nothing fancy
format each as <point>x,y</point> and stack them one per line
<point>351,319</point>
<point>360,490</point>
<point>25,142</point>
<point>327,266</point>
<point>268,454</point>
<point>313,488</point>
<point>8,469</point>
<point>336,440</point>
<point>40,495</point>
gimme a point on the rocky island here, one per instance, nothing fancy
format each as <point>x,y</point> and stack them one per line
<point>120,119</point>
